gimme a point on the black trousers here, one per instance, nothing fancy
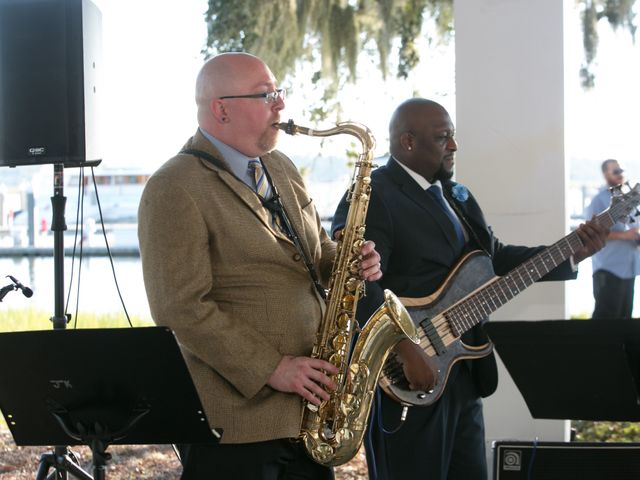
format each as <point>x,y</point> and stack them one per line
<point>613,295</point>
<point>442,442</point>
<point>283,459</point>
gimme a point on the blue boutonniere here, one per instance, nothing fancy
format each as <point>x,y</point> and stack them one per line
<point>460,192</point>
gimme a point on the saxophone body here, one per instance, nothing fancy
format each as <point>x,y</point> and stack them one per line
<point>333,432</point>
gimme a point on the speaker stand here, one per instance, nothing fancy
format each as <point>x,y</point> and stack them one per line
<point>61,460</point>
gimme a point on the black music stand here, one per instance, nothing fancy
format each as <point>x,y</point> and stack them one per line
<point>573,369</point>
<point>98,387</point>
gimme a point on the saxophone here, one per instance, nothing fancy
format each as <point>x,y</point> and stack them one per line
<point>332,433</point>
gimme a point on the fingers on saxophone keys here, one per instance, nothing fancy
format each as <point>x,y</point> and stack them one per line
<point>315,394</point>
<point>372,273</point>
<point>318,364</point>
<point>321,379</point>
<point>370,262</point>
<point>317,384</point>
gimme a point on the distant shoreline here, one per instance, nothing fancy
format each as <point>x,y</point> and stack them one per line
<point>86,251</point>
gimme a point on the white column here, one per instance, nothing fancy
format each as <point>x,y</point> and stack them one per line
<point>511,134</point>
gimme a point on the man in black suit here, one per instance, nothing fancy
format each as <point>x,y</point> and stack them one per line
<point>420,237</point>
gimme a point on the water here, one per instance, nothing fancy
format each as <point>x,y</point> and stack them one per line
<point>98,292</point>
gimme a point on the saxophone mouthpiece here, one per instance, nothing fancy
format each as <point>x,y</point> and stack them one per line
<point>288,127</point>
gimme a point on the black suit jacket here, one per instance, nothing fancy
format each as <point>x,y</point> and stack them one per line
<point>416,242</point>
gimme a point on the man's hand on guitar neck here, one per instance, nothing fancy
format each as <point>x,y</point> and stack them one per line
<point>593,237</point>
<point>419,369</point>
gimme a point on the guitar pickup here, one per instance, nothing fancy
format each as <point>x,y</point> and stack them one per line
<point>434,338</point>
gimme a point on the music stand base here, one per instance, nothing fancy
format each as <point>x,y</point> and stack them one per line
<point>64,463</point>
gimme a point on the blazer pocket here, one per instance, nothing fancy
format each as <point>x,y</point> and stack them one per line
<point>310,216</point>
<point>305,203</point>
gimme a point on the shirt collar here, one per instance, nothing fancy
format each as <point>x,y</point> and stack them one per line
<point>237,161</point>
<point>420,180</point>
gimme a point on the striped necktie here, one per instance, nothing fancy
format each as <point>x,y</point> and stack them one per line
<point>264,190</point>
<point>436,192</point>
<point>262,184</point>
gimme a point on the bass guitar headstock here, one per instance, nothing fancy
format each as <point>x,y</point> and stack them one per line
<point>624,203</point>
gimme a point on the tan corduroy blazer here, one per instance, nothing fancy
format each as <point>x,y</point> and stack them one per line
<point>235,292</point>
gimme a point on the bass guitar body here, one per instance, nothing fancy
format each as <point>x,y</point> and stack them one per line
<point>470,293</point>
<point>439,341</point>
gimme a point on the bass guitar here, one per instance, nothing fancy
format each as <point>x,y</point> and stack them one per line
<point>469,294</point>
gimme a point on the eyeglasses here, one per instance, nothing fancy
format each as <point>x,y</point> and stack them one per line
<point>617,171</point>
<point>269,97</point>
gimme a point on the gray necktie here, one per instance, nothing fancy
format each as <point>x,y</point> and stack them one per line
<point>436,192</point>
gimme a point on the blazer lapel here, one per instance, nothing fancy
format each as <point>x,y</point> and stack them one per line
<point>282,185</point>
<point>413,191</point>
<point>237,186</point>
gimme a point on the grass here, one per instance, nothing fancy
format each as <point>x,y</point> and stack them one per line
<point>25,320</point>
<point>588,431</point>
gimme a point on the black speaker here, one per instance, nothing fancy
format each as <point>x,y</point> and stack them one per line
<point>565,461</point>
<point>49,62</point>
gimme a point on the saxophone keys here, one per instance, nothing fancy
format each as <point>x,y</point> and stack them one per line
<point>339,341</point>
<point>322,453</point>
<point>345,435</point>
<point>356,247</point>
<point>343,321</point>
<point>354,267</point>
<point>336,360</point>
<point>348,302</point>
<point>352,285</point>
<point>348,404</point>
<point>359,373</point>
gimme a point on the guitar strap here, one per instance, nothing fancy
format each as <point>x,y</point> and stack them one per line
<point>275,206</point>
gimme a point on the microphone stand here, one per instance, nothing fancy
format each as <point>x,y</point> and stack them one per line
<point>7,289</point>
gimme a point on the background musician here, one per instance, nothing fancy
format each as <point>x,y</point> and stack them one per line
<point>615,266</point>
<point>420,238</point>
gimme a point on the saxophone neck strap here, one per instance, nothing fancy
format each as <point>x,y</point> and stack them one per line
<point>275,206</point>
<point>216,162</point>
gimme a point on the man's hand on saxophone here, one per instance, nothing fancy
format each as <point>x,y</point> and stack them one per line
<point>370,263</point>
<point>308,376</point>
<point>304,376</point>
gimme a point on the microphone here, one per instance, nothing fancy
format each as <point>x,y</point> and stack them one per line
<point>26,291</point>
